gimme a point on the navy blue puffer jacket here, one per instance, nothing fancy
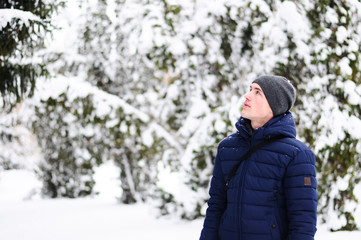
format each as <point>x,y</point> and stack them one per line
<point>273,194</point>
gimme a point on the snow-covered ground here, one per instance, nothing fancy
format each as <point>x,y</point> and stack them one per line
<point>26,216</point>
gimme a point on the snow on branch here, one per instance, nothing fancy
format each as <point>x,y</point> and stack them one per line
<point>105,102</point>
<point>7,15</point>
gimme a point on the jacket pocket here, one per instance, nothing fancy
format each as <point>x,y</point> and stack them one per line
<point>274,227</point>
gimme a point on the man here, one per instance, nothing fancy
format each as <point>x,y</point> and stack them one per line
<point>272,194</point>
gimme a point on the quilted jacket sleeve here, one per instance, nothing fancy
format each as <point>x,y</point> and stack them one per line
<point>216,203</point>
<point>301,196</point>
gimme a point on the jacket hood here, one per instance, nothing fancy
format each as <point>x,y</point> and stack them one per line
<point>280,125</point>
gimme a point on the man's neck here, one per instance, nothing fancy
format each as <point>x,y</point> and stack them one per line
<point>259,123</point>
<point>256,125</point>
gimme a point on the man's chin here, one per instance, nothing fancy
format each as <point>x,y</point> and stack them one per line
<point>244,114</point>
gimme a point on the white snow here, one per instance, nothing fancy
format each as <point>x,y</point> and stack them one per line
<point>353,92</point>
<point>341,34</point>
<point>345,68</point>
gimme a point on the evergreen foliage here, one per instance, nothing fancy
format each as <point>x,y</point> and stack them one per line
<point>20,37</point>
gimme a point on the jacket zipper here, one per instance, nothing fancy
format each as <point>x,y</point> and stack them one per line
<point>240,195</point>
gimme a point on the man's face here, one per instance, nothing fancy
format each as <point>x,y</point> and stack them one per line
<point>256,107</point>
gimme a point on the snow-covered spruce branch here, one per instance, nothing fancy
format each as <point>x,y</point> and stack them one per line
<point>8,15</point>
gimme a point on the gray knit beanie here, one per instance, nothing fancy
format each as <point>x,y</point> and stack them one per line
<point>279,92</point>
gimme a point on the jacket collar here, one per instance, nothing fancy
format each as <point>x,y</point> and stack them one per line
<point>280,125</point>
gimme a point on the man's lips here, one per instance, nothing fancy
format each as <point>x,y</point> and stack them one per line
<point>246,105</point>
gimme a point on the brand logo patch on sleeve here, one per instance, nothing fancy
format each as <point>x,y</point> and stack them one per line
<point>307,181</point>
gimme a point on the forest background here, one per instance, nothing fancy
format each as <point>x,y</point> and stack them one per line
<point>154,86</point>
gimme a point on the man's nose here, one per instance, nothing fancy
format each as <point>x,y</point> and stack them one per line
<point>248,96</point>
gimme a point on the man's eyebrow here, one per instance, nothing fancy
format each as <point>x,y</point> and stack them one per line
<point>256,88</point>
